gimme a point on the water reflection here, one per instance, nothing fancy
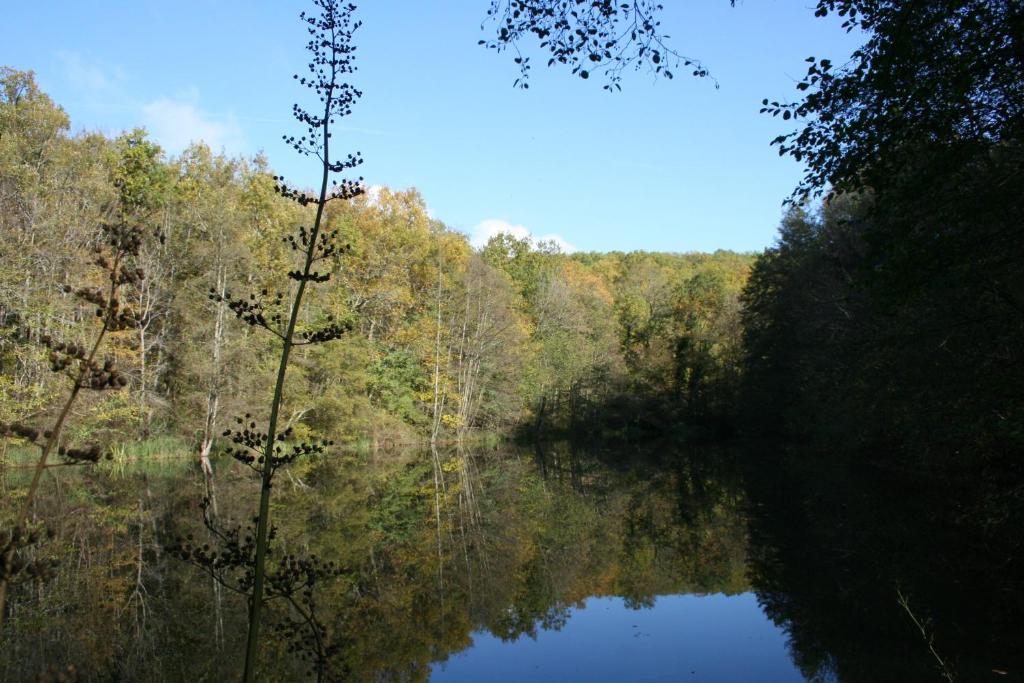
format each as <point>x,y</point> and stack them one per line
<point>510,546</point>
<point>878,576</point>
<point>681,637</point>
<point>733,563</point>
<point>861,581</point>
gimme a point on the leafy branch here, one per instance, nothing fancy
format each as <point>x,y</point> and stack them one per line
<point>589,36</point>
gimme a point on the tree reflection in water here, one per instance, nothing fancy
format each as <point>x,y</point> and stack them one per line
<point>441,546</point>
<point>833,549</point>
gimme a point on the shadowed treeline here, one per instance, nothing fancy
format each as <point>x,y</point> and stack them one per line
<point>887,327</point>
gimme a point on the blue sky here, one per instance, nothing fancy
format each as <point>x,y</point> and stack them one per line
<point>663,166</point>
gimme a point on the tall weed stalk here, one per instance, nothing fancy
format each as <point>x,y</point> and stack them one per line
<point>240,562</point>
<point>83,366</point>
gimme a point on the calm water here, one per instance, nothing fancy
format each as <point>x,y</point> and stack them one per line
<point>717,564</point>
<point>679,637</point>
<point>644,567</point>
<point>698,563</point>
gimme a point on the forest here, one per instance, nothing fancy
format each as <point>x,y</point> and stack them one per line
<point>441,338</point>
<point>183,334</point>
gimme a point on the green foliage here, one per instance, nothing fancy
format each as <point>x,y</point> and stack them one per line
<point>589,336</point>
<point>31,126</point>
<point>520,259</point>
<point>141,179</point>
<point>397,380</point>
<point>444,342</point>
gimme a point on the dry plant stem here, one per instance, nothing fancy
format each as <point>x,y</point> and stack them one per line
<point>311,623</point>
<point>904,602</point>
<point>262,524</point>
<point>55,433</point>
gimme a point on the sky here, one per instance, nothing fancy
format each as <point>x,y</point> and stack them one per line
<point>666,165</point>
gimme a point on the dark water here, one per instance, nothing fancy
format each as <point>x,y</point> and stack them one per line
<point>734,562</point>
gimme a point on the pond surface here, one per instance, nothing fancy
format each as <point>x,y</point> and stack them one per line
<point>679,637</point>
<point>717,563</point>
<point>727,562</point>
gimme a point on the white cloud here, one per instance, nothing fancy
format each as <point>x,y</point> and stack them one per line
<point>86,75</point>
<point>173,122</point>
<point>177,124</point>
<point>487,229</point>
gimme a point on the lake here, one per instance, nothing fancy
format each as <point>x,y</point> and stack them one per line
<point>677,637</point>
<point>707,562</point>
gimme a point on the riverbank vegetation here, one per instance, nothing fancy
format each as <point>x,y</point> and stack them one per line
<point>890,324</point>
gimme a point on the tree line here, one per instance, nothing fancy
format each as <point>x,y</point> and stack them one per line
<point>444,338</point>
<point>437,340</point>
